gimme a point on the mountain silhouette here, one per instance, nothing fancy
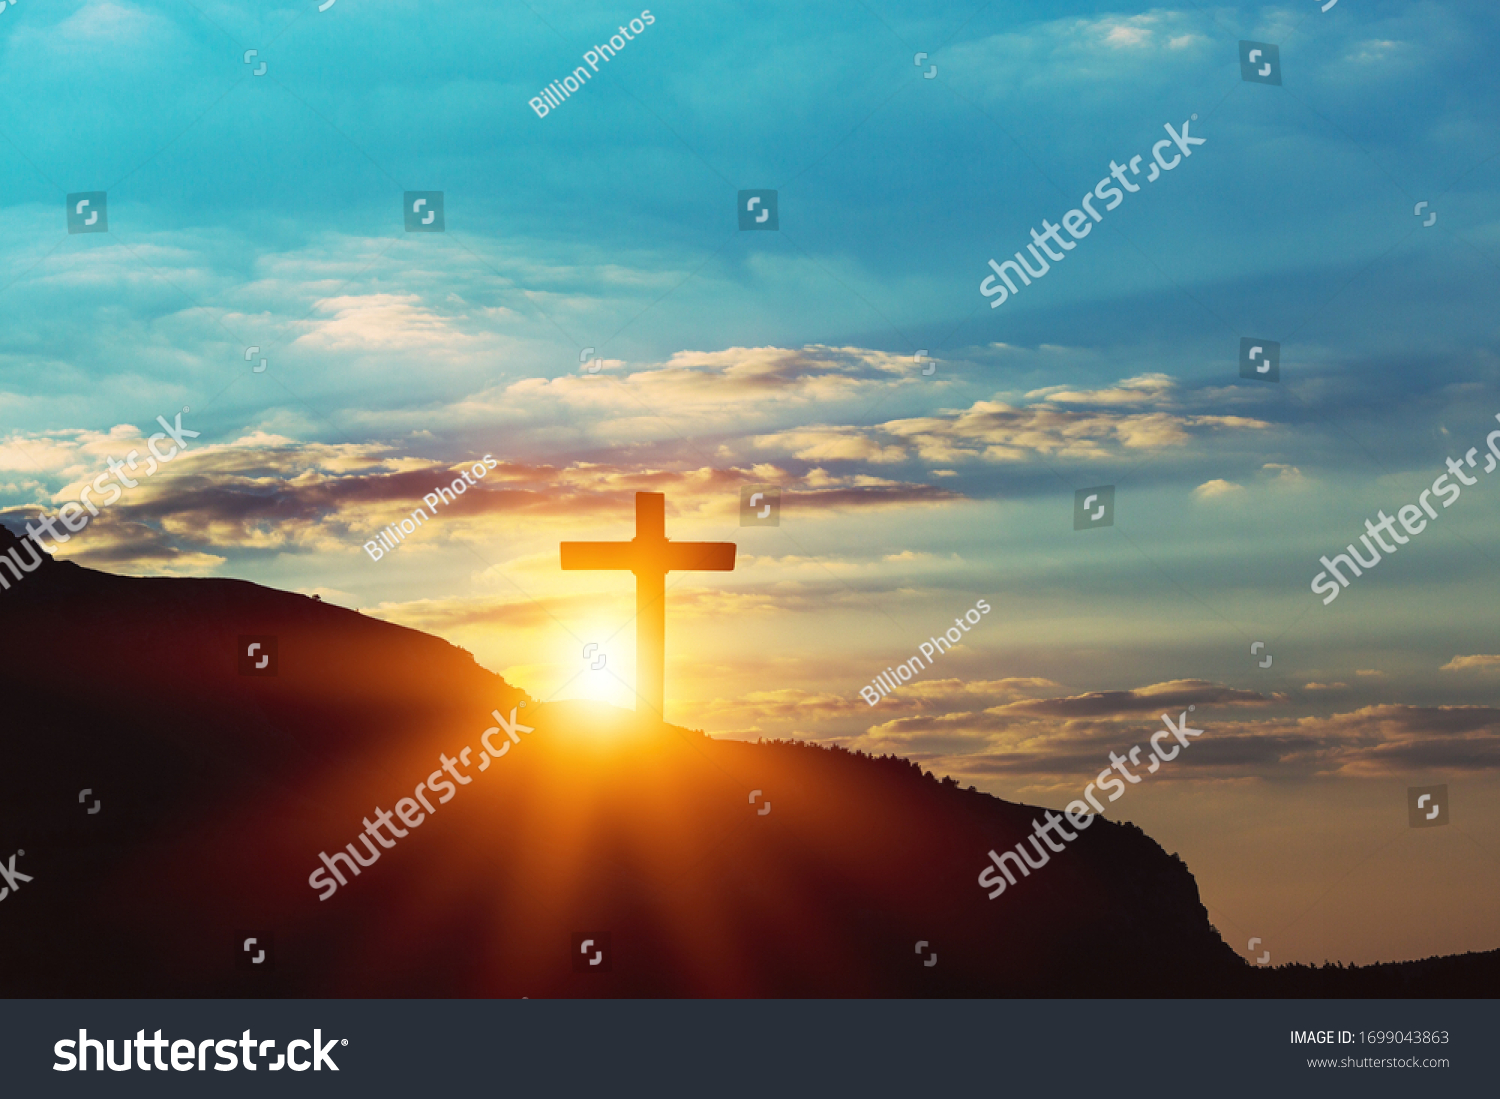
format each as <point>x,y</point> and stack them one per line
<point>216,788</point>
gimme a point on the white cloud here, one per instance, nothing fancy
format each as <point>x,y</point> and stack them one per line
<point>1210,490</point>
<point>1288,476</point>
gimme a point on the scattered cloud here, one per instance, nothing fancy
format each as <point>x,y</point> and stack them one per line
<point>1481,661</point>
<point>1049,738</point>
<point>1209,490</point>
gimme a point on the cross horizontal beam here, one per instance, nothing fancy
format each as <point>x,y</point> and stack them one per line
<point>646,557</point>
<point>709,556</point>
<point>598,555</point>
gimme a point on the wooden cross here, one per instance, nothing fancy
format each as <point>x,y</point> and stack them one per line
<point>650,555</point>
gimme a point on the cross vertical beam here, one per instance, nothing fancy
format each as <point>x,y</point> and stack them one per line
<point>651,600</point>
<point>650,555</point>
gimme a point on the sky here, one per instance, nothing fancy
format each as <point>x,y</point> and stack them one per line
<point>593,319</point>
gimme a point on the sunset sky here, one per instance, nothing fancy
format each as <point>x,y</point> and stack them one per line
<point>266,211</point>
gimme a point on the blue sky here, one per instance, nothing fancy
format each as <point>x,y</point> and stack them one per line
<point>266,211</point>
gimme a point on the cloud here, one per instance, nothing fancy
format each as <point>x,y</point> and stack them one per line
<point>736,380</point>
<point>107,27</point>
<point>819,444</point>
<point>1464,663</point>
<point>269,493</point>
<point>1209,490</point>
<point>1285,474</point>
<point>1179,693</point>
<point>1048,735</point>
<point>711,604</point>
<point>919,696</point>
<point>454,613</point>
<point>1063,57</point>
<point>1122,35</point>
<point>1033,740</point>
<point>1158,389</point>
<point>384,322</point>
<point>1373,50</point>
<point>114,542</point>
<point>784,704</point>
<point>998,431</point>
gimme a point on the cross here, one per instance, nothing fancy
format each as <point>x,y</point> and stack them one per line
<point>650,555</point>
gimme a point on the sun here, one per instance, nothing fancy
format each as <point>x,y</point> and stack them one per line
<point>601,669</point>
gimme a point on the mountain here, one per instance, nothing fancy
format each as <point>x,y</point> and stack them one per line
<point>217,787</point>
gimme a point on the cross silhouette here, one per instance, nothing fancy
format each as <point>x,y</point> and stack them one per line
<point>650,555</point>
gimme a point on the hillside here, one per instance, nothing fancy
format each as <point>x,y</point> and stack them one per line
<point>218,791</point>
